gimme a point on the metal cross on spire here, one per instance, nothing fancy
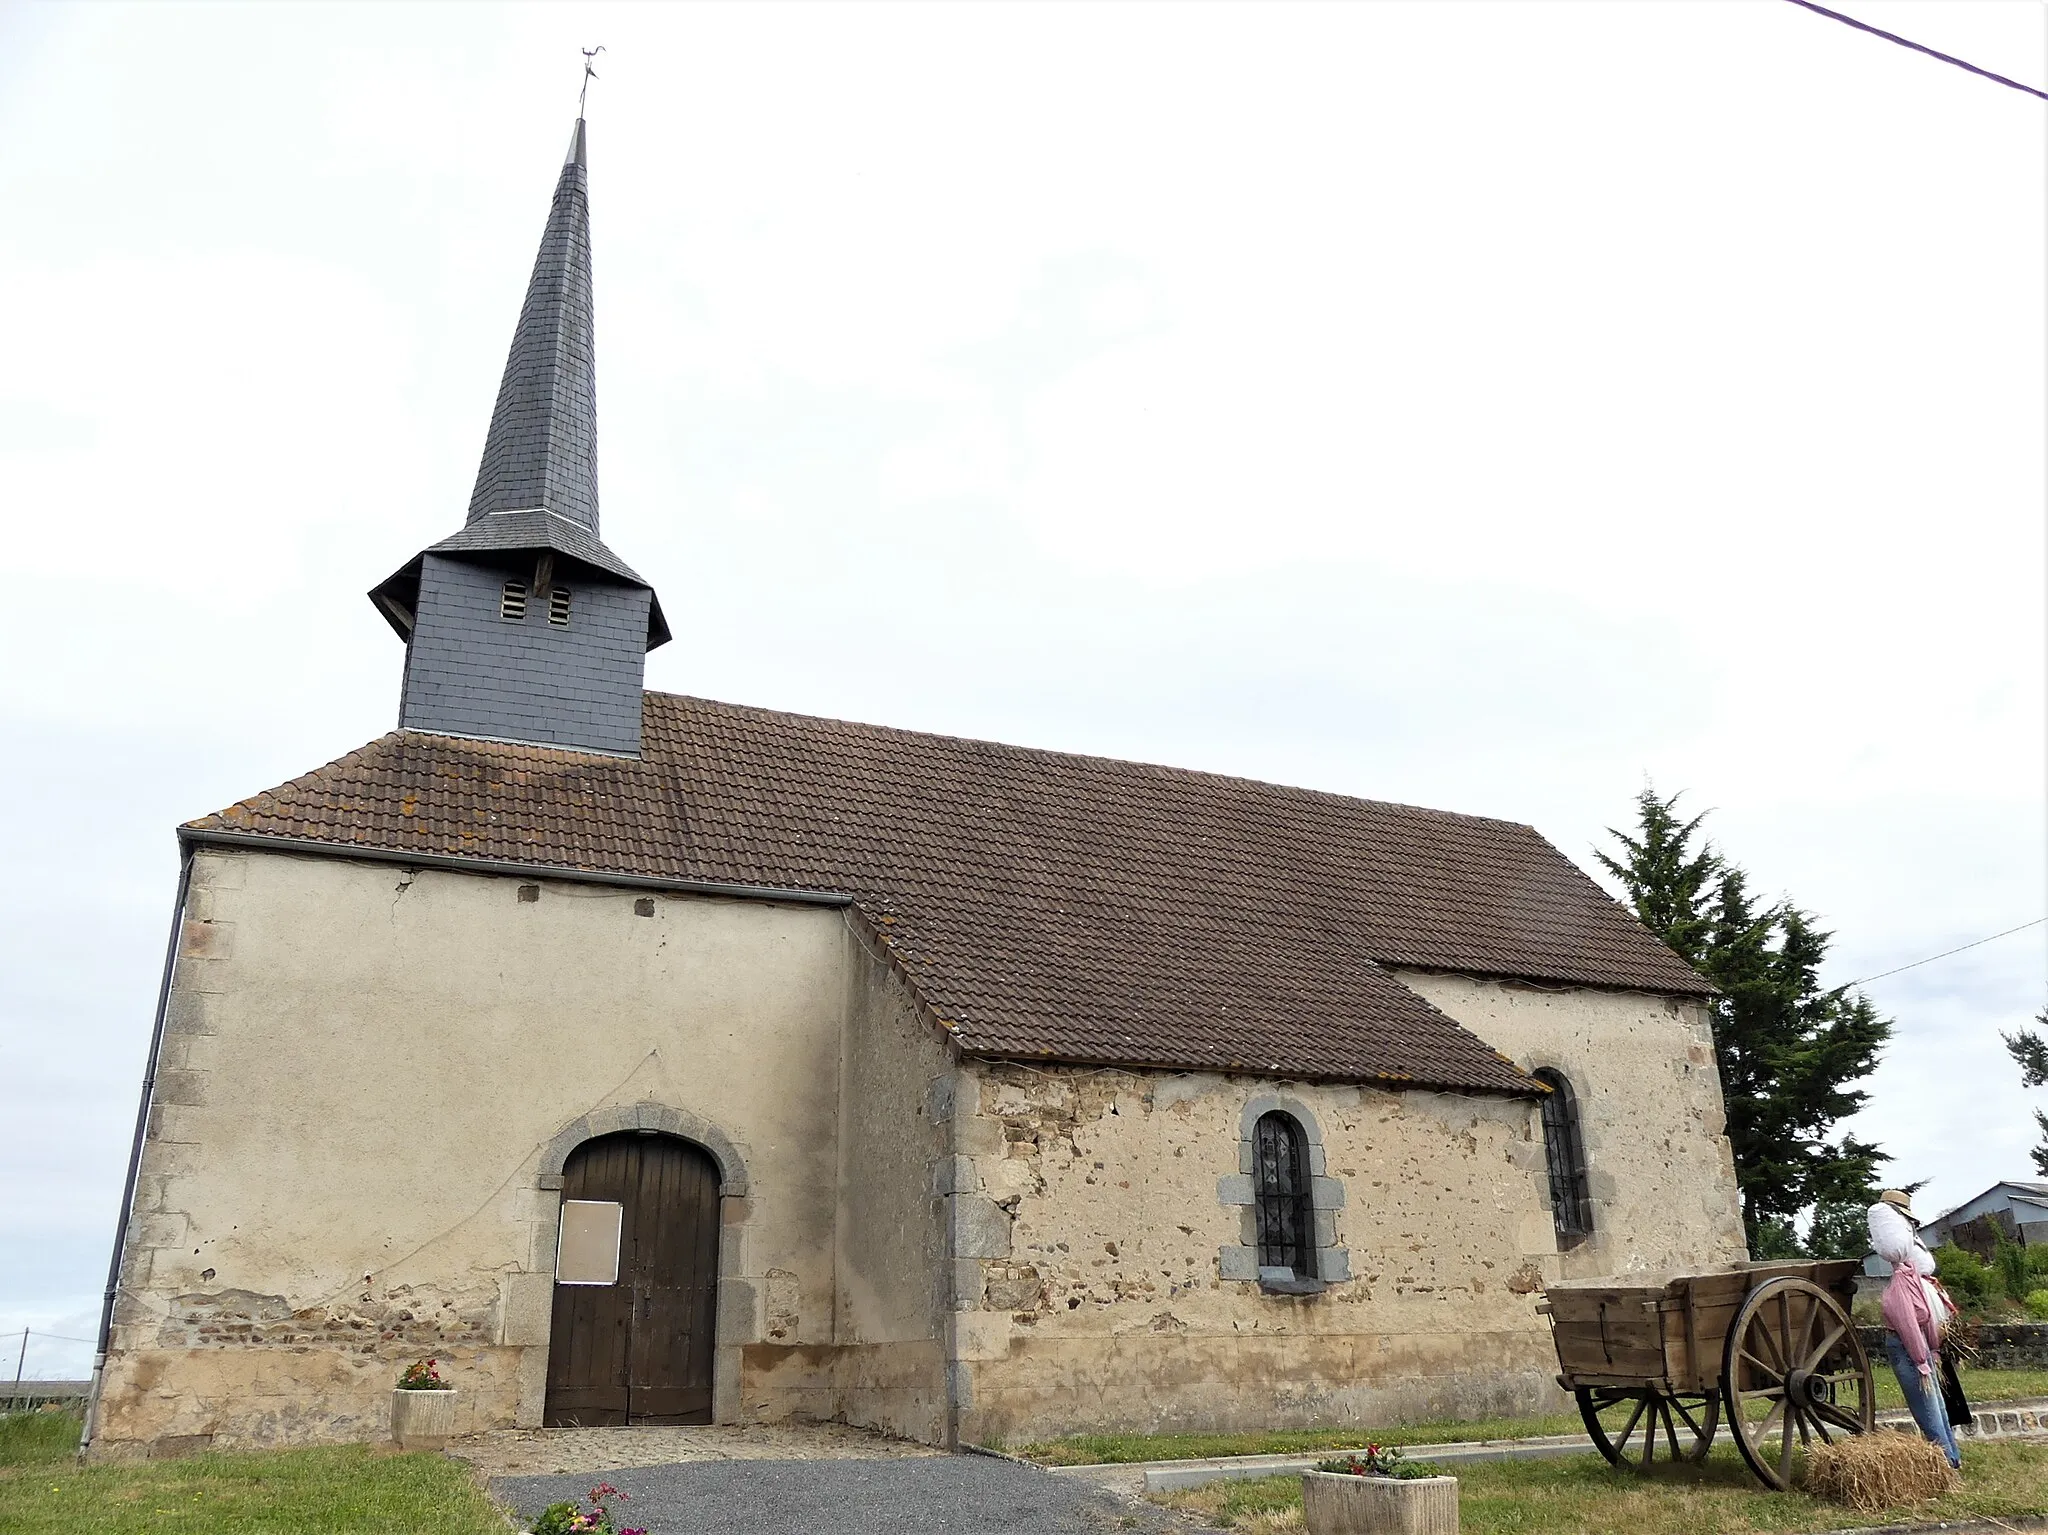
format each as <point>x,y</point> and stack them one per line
<point>589,74</point>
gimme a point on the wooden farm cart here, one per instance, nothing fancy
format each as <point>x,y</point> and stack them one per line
<point>1767,1347</point>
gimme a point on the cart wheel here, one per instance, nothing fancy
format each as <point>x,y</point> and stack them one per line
<point>1794,1371</point>
<point>1626,1423</point>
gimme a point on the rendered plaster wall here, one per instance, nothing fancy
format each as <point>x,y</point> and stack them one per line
<point>1661,1172</point>
<point>1097,1205</point>
<point>363,1073</point>
<point>889,1322</point>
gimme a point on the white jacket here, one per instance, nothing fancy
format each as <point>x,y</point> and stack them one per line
<point>1894,1239</point>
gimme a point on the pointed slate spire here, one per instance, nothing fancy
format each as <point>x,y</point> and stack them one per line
<point>541,451</point>
<point>524,626</point>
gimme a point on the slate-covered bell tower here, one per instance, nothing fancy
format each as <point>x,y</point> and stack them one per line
<point>523,626</point>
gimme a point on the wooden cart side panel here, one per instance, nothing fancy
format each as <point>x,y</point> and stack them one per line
<point>1695,1337</point>
<point>1608,1332</point>
<point>1583,1348</point>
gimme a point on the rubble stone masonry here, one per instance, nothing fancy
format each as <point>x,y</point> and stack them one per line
<point>1097,1213</point>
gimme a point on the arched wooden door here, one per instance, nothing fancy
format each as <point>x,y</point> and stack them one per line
<point>637,1349</point>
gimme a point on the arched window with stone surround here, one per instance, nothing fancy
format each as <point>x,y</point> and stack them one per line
<point>1564,1152</point>
<point>1280,1180</point>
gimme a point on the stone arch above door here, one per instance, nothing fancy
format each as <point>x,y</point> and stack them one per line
<point>732,1166</point>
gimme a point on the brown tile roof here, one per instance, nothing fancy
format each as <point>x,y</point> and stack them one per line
<point>1043,905</point>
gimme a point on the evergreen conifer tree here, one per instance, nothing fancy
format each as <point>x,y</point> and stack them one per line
<point>2029,1051</point>
<point>1790,1052</point>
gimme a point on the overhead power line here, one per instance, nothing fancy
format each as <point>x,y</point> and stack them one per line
<point>1932,53</point>
<point>1944,954</point>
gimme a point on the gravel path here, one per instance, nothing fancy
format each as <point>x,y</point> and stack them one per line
<point>924,1495</point>
<point>581,1452</point>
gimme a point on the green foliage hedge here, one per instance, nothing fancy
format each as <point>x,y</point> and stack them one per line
<point>2016,1273</point>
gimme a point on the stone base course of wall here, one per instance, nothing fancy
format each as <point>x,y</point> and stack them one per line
<point>2005,1423</point>
<point>2000,1345</point>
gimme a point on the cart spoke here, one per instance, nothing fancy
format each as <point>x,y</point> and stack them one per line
<point>1816,1356</point>
<point>1763,1429</point>
<point>1785,1450</point>
<point>1774,1372</point>
<point>1690,1421</point>
<point>1760,1330</point>
<point>1622,1439</point>
<point>1833,1412</point>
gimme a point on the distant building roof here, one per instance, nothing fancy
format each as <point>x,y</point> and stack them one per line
<point>1043,905</point>
<point>2002,1195</point>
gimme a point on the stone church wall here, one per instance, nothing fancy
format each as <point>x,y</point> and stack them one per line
<point>885,1364</point>
<point>1651,1113</point>
<point>368,1079</point>
<point>371,1077</point>
<point>1113,1288</point>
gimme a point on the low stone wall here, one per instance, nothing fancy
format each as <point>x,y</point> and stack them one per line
<point>2000,1345</point>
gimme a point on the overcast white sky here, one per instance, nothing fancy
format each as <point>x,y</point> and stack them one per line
<point>1485,405</point>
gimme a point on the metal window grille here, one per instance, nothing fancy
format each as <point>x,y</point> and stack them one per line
<point>512,603</point>
<point>1564,1153</point>
<point>1281,1182</point>
<point>558,607</point>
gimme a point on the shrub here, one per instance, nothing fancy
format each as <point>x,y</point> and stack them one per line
<point>1969,1281</point>
<point>2037,1305</point>
<point>2010,1262</point>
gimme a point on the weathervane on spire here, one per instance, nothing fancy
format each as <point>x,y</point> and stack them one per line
<point>589,74</point>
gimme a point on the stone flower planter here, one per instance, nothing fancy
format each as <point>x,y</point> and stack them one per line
<point>422,1420</point>
<point>1335,1504</point>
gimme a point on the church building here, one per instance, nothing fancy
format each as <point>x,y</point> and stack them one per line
<point>647,1059</point>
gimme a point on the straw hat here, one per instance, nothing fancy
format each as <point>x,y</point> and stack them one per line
<point>1899,1200</point>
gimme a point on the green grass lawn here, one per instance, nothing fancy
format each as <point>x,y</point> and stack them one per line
<point>1088,1449</point>
<point>1978,1385</point>
<point>1583,1495</point>
<point>347,1490</point>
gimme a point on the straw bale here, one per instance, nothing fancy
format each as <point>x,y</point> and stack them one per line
<point>1877,1471</point>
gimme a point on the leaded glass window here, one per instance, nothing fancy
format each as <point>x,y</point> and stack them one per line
<point>1281,1182</point>
<point>1564,1152</point>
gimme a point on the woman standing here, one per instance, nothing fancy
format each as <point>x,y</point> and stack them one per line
<point>1914,1314</point>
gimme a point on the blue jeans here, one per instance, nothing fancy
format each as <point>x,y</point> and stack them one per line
<point>1923,1397</point>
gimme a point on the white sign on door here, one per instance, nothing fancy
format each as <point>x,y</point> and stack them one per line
<point>588,1251</point>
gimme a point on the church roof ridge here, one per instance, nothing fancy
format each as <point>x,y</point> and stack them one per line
<point>1045,905</point>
